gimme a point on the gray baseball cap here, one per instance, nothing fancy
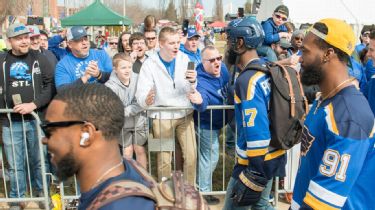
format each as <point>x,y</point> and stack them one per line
<point>75,33</point>
<point>284,43</point>
<point>17,29</point>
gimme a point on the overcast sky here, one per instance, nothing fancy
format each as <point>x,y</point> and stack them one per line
<point>207,4</point>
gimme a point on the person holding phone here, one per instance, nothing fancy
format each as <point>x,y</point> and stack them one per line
<point>213,78</point>
<point>164,80</point>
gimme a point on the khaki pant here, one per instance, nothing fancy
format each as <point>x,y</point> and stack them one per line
<point>183,130</point>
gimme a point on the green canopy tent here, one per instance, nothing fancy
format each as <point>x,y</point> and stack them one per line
<point>96,14</point>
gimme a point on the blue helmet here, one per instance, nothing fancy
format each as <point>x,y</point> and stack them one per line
<point>247,28</point>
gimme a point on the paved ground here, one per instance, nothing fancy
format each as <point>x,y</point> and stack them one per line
<point>281,205</point>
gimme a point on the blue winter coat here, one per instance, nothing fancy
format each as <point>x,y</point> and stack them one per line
<point>214,92</point>
<point>271,31</point>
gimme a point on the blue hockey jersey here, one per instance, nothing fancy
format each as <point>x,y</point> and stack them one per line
<point>252,97</point>
<point>337,155</point>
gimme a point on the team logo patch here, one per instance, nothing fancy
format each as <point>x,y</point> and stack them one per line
<point>20,70</point>
<point>306,141</point>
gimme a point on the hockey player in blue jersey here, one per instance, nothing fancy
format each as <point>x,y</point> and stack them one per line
<point>257,163</point>
<point>337,164</point>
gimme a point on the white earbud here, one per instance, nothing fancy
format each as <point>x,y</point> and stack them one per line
<point>84,137</point>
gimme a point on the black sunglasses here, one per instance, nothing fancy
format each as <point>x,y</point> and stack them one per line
<point>113,43</point>
<point>151,38</point>
<point>213,59</point>
<point>49,127</point>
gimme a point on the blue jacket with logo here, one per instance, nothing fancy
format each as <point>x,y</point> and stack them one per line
<point>70,69</point>
<point>271,31</point>
<point>214,92</point>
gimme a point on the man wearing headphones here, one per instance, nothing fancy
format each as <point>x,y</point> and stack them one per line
<point>81,131</point>
<point>257,162</point>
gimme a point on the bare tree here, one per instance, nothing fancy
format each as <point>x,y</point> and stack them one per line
<point>219,10</point>
<point>183,9</point>
<point>170,13</point>
<point>12,7</point>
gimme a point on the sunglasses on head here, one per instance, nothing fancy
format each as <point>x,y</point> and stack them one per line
<point>280,17</point>
<point>49,127</point>
<point>213,59</point>
<point>366,34</point>
<point>151,38</point>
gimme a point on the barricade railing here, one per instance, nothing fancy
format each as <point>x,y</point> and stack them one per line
<point>20,163</point>
<point>167,143</point>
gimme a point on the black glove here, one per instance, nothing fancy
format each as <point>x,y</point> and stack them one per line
<point>248,188</point>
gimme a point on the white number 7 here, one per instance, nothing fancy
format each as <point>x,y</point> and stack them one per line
<point>331,159</point>
<point>253,113</point>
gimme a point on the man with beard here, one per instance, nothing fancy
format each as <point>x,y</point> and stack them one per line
<point>137,42</point>
<point>257,162</point>
<point>26,86</point>
<point>82,128</point>
<point>111,49</point>
<point>337,144</point>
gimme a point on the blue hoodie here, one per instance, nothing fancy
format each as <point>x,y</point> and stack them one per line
<point>271,31</point>
<point>214,92</point>
<point>195,57</point>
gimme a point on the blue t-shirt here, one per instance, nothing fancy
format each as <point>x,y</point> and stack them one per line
<point>170,66</point>
<point>71,68</point>
<point>131,202</point>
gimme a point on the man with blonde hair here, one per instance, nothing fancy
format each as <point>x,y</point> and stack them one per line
<point>165,81</point>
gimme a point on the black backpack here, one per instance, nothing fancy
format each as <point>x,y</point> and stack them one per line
<point>288,104</point>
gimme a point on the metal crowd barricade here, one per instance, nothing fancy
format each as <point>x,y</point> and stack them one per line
<point>169,144</point>
<point>29,188</point>
<point>155,145</point>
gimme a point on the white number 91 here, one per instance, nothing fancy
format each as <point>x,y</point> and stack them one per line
<point>331,159</point>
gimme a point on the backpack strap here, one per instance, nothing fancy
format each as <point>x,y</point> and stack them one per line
<point>302,93</point>
<point>118,190</point>
<point>291,91</point>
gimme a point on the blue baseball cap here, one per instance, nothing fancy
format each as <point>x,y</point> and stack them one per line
<point>192,32</point>
<point>75,33</point>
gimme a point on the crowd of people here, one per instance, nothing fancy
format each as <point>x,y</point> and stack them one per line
<point>100,109</point>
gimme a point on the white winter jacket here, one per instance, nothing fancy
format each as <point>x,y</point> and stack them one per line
<point>169,92</point>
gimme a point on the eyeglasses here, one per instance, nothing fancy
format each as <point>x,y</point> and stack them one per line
<point>113,43</point>
<point>138,43</point>
<point>49,127</point>
<point>151,38</point>
<point>298,38</point>
<point>281,17</point>
<point>213,59</point>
